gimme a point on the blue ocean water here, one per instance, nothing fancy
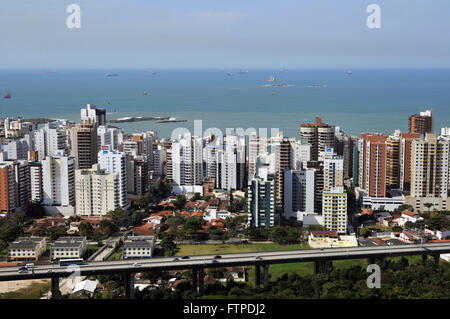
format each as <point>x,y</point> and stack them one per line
<point>367,100</point>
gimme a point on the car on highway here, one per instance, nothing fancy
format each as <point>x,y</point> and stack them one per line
<point>50,271</point>
<point>214,261</point>
<point>29,266</point>
<point>185,257</point>
<point>217,257</point>
<point>22,271</point>
<point>175,259</point>
<point>137,265</point>
<point>258,257</point>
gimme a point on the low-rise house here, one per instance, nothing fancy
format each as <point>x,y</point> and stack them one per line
<point>235,273</point>
<point>27,248</point>
<point>322,238</point>
<point>198,214</point>
<point>330,239</point>
<point>85,286</point>
<point>68,248</point>
<point>46,223</point>
<point>408,216</point>
<point>74,228</point>
<point>138,247</point>
<point>414,236</point>
<point>153,219</point>
<point>442,233</point>
<point>148,229</point>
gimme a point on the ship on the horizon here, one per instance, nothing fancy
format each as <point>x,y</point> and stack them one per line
<point>144,93</point>
<point>271,79</point>
<point>170,120</point>
<point>7,96</point>
<point>111,74</point>
<point>349,72</point>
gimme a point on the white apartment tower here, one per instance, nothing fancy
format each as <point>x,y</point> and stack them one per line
<point>58,174</point>
<point>49,140</point>
<point>187,161</point>
<point>96,191</point>
<point>115,162</point>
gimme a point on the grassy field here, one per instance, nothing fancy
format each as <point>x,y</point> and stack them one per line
<point>116,256</point>
<point>206,249</point>
<point>33,291</point>
<point>307,268</point>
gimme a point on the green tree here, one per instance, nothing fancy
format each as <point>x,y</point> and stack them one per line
<point>196,197</point>
<point>142,202</point>
<point>365,232</point>
<point>180,201</point>
<point>108,228</point>
<point>168,244</point>
<point>137,217</point>
<point>118,217</point>
<point>86,230</point>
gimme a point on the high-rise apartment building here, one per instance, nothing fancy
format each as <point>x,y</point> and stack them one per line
<point>393,143</point>
<point>92,114</point>
<point>137,174</point>
<point>256,146</point>
<point>83,144</point>
<point>319,135</point>
<point>421,123</point>
<point>284,149</point>
<point>405,158</point>
<point>334,210</point>
<point>36,182</point>
<point>96,191</point>
<point>7,188</point>
<point>22,184</point>
<point>187,161</point>
<point>261,202</point>
<point>334,197</point>
<point>372,164</point>
<point>299,192</point>
<point>230,163</point>
<point>429,173</point>
<point>108,136</point>
<point>58,175</point>
<point>115,162</point>
<point>49,139</point>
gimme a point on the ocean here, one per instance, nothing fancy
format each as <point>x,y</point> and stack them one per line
<point>365,101</point>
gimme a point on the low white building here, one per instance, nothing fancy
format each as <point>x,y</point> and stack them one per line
<point>27,248</point>
<point>138,247</point>
<point>381,203</point>
<point>442,233</point>
<point>408,216</point>
<point>85,286</point>
<point>69,248</point>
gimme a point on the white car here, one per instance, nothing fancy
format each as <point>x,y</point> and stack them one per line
<point>137,265</point>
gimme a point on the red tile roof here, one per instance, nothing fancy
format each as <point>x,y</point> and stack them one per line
<point>147,229</point>
<point>409,213</point>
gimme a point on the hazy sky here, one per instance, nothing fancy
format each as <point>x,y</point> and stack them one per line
<point>224,34</point>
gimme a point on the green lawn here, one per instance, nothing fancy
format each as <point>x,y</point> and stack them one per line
<point>307,268</point>
<point>116,256</point>
<point>207,249</point>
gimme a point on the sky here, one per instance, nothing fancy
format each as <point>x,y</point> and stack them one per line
<point>224,34</point>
